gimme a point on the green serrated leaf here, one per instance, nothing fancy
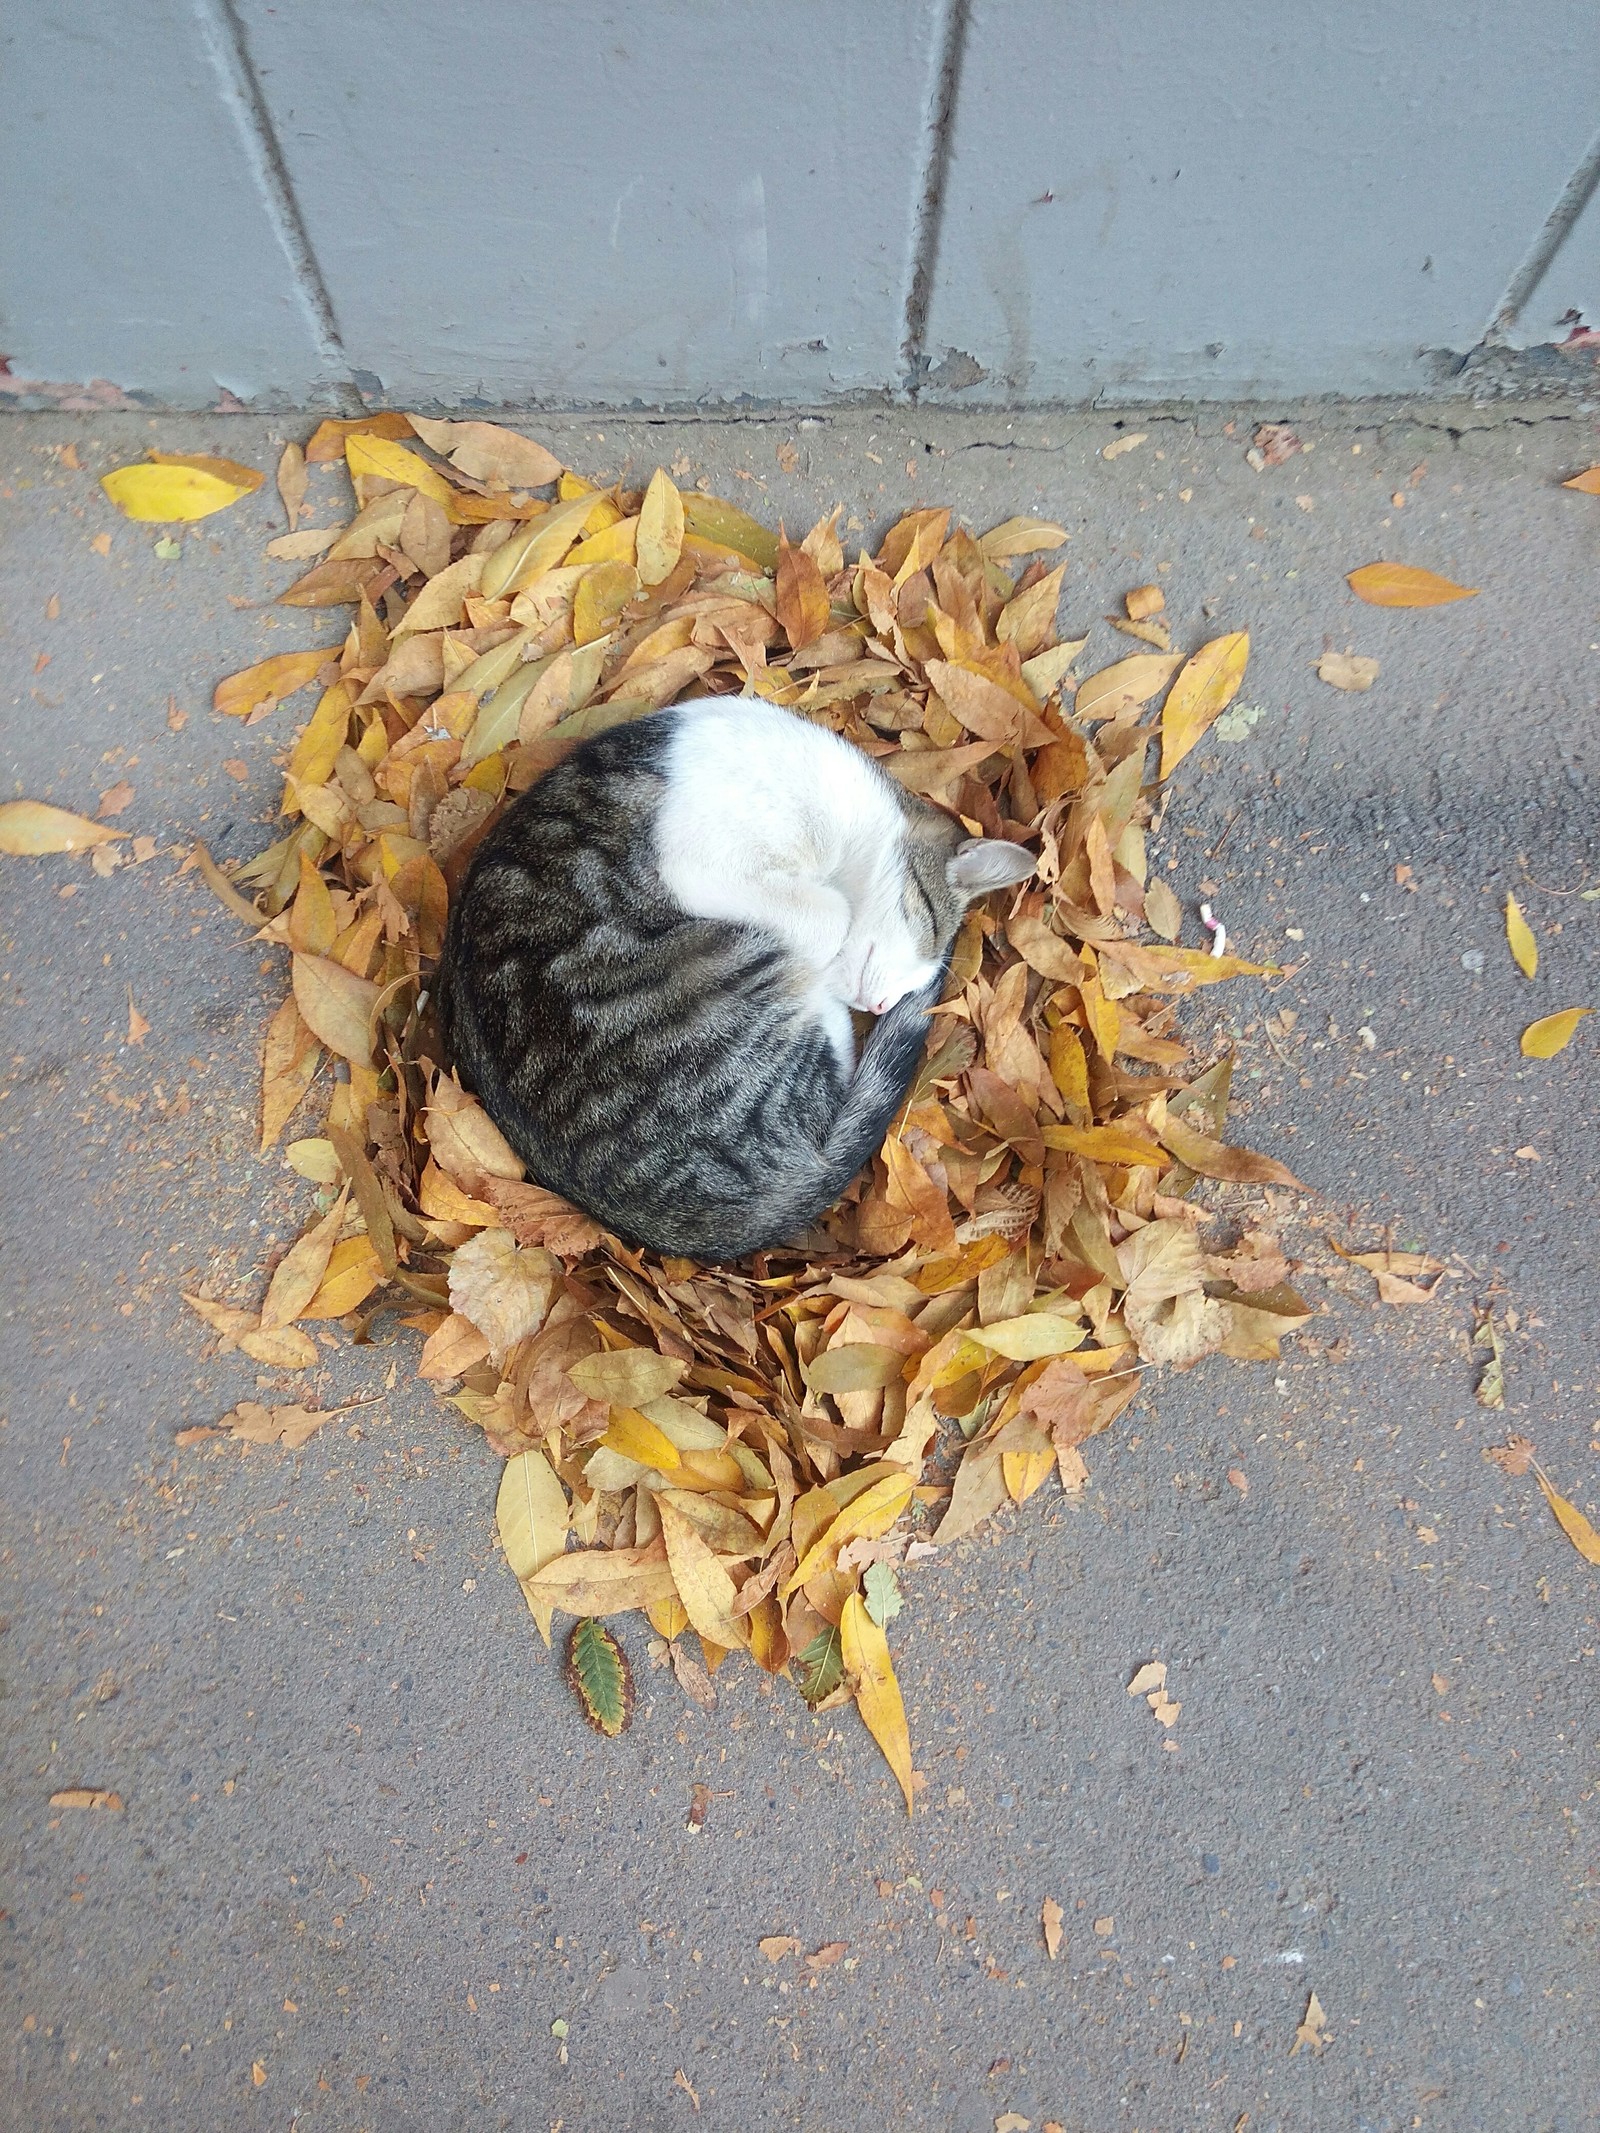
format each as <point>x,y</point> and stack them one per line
<point>821,1666</point>
<point>597,1667</point>
<point>882,1589</point>
<point>168,549</point>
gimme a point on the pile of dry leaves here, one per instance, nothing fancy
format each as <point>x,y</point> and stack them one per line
<point>748,1452</point>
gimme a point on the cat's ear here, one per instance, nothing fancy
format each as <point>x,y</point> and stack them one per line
<point>985,863</point>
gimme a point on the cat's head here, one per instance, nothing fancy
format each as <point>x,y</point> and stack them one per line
<point>944,872</point>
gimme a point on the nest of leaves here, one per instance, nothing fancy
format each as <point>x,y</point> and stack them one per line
<point>746,1452</point>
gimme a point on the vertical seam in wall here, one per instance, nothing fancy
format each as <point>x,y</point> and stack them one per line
<point>1575,197</point>
<point>229,52</point>
<point>950,42</point>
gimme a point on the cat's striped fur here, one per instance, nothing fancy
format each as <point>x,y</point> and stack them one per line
<point>670,1073</point>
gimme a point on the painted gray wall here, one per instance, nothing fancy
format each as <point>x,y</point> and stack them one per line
<point>703,201</point>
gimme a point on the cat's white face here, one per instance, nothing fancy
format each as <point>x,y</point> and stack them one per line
<point>875,968</point>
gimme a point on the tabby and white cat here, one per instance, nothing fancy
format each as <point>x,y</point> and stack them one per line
<point>652,962</point>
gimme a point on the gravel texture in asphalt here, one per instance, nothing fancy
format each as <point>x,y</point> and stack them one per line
<point>371,1870</point>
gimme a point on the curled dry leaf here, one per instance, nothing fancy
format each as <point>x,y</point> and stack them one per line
<point>502,1288</point>
<point>1347,670</point>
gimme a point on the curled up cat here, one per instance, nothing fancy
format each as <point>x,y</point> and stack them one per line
<point>652,962</point>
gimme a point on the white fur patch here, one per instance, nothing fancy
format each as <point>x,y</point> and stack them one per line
<point>771,821</point>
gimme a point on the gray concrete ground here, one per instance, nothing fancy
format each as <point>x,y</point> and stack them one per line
<point>370,1856</point>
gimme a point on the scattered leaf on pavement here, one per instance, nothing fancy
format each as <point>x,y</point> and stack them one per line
<point>597,1667</point>
<point>1403,585</point>
<point>1050,1917</point>
<point>1347,670</point>
<point>1551,1033</point>
<point>1519,938</point>
<point>30,828</point>
<point>1312,2028</point>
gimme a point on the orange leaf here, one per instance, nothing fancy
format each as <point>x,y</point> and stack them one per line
<point>259,687</point>
<point>802,596</point>
<point>1403,585</point>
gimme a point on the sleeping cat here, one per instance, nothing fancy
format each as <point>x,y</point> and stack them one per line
<point>651,965</point>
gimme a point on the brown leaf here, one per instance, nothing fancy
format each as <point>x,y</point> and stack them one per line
<point>1312,2028</point>
<point>300,1271</point>
<point>88,1796</point>
<point>1219,1159</point>
<point>1571,1520</point>
<point>777,1945</point>
<point>803,606</point>
<point>535,1216</point>
<point>503,1289</point>
<point>1050,1917</point>
<point>489,453</point>
<point>292,482</point>
<point>138,1027</point>
<point>291,1427</point>
<point>1347,670</point>
<point>1513,1457</point>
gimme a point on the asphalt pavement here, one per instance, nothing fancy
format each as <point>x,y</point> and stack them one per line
<point>370,1869</point>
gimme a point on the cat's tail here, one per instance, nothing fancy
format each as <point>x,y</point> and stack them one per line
<point>884,1072</point>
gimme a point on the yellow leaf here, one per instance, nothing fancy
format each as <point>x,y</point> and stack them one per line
<point>299,1273</point>
<point>1519,938</point>
<point>1544,1038</point>
<point>1020,536</point>
<point>163,495</point>
<point>354,1271</point>
<point>635,1436</point>
<point>1023,1472</point>
<point>703,1585</point>
<point>313,928</point>
<point>627,1378</point>
<point>717,520</point>
<point>1403,585</point>
<point>336,1006</point>
<point>268,683</point>
<point>865,1517</point>
<point>1120,1145</point>
<point>1125,685</point>
<point>1033,1335</point>
<point>1201,693</point>
<point>366,454</point>
<point>603,593</point>
<point>280,1347</point>
<point>865,1651</point>
<point>531,1513</point>
<point>1572,1522</point>
<point>312,757</point>
<point>1588,481</point>
<point>854,1366</point>
<point>1347,670</point>
<point>525,558</point>
<point>29,828</point>
<point>438,605</point>
<point>616,543</point>
<point>660,537</point>
<point>668,1618</point>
